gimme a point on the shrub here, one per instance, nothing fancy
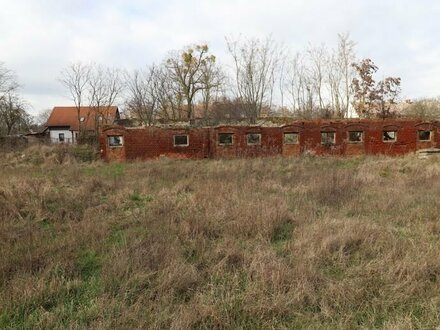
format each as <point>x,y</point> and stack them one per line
<point>61,152</point>
<point>85,153</point>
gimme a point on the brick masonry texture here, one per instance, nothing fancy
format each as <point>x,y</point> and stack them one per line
<point>155,142</point>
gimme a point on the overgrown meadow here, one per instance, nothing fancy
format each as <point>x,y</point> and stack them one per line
<point>268,243</point>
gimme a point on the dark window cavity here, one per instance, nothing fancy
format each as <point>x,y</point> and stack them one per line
<point>424,135</point>
<point>328,138</point>
<point>355,137</point>
<point>225,138</point>
<point>61,137</point>
<point>253,138</point>
<point>181,140</point>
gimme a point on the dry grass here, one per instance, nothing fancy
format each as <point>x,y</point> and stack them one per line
<point>256,243</point>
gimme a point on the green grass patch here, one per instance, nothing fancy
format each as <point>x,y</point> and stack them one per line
<point>117,237</point>
<point>140,200</point>
<point>282,232</point>
<point>88,264</point>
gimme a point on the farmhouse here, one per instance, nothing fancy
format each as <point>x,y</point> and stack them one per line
<point>64,124</point>
<point>318,137</point>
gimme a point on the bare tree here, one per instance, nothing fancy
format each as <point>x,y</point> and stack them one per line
<point>255,64</point>
<point>187,68</point>
<point>104,86</point>
<point>12,112</point>
<point>213,79</point>
<point>8,81</point>
<point>169,94</point>
<point>39,121</point>
<point>318,82</point>
<point>335,81</point>
<point>42,117</point>
<point>318,58</point>
<point>75,78</point>
<point>424,108</point>
<point>13,115</point>
<point>143,102</point>
<point>282,79</point>
<point>299,86</point>
<point>345,56</point>
<point>226,110</point>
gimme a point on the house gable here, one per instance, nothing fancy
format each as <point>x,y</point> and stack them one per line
<point>90,117</point>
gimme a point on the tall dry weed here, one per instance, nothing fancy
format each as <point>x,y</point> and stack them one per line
<point>248,243</point>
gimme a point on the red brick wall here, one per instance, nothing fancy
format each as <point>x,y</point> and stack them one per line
<point>153,142</point>
<point>293,149</point>
<point>112,153</point>
<point>271,142</point>
<point>406,138</point>
<point>435,139</point>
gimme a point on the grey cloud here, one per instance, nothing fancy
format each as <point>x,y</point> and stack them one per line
<point>40,38</point>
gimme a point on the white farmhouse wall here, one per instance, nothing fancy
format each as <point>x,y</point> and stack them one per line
<point>54,135</point>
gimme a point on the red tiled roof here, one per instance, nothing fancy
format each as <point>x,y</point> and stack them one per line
<point>68,116</point>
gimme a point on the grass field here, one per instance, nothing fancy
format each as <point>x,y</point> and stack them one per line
<point>267,243</point>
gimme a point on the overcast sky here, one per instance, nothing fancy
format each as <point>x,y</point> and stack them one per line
<point>38,38</point>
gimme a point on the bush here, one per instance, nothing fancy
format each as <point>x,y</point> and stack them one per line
<point>85,153</point>
<point>10,143</point>
<point>61,153</point>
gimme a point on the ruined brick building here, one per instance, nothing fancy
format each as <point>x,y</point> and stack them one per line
<point>320,137</point>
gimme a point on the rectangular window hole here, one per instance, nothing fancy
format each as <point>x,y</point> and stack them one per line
<point>253,138</point>
<point>291,138</point>
<point>115,141</point>
<point>328,138</point>
<point>181,140</point>
<point>225,139</point>
<point>389,136</point>
<point>424,135</point>
<point>355,136</point>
